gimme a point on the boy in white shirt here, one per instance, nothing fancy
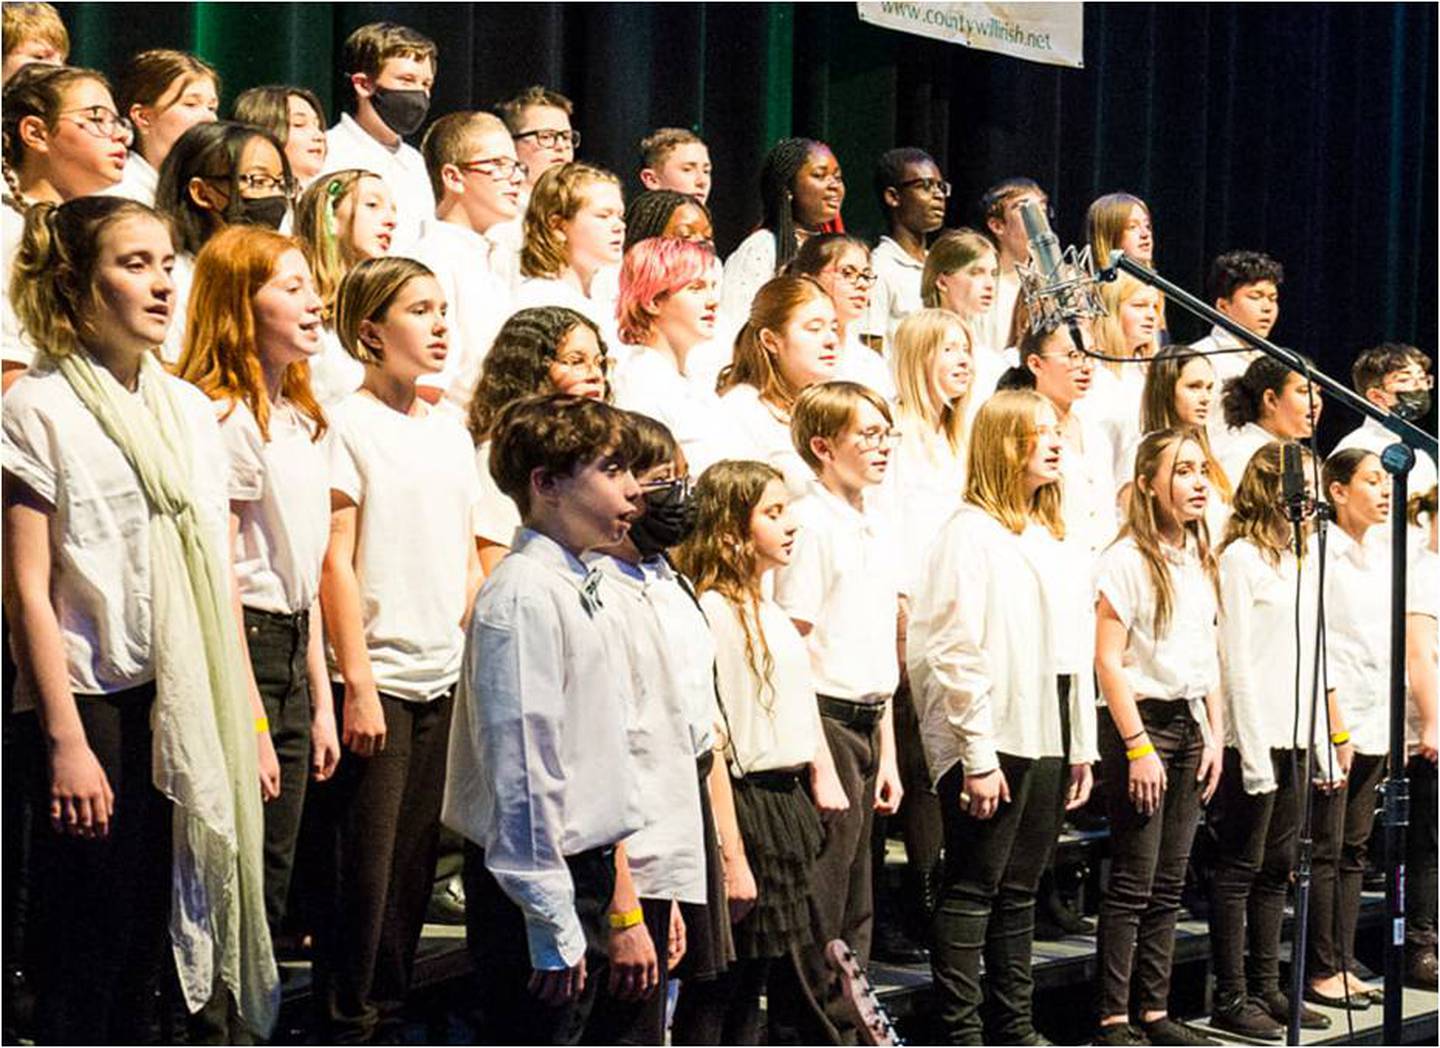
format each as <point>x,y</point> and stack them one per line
<point>1245,286</point>
<point>1000,212</point>
<point>1386,375</point>
<point>912,195</point>
<point>539,779</point>
<point>539,122</point>
<point>476,179</point>
<point>842,590</point>
<point>391,69</point>
<point>677,159</point>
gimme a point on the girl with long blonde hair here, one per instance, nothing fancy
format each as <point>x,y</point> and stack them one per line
<point>773,740</point>
<point>1009,736</point>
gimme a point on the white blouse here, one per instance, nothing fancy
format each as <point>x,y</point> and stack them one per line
<point>1357,620</point>
<point>925,485</point>
<point>649,383</point>
<point>766,725</point>
<point>763,434</point>
<point>749,268</point>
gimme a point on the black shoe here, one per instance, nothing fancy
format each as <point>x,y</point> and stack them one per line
<point>1055,920</point>
<point>1168,1031</point>
<point>1356,1002</point>
<point>447,902</point>
<point>1033,1038</point>
<point>1120,1034</point>
<point>1420,968</point>
<point>1277,1003</point>
<point>1236,1013</point>
<point>893,946</point>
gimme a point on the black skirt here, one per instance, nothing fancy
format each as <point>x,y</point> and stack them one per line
<point>782,835</point>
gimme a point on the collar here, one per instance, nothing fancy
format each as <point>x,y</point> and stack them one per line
<point>585,578</point>
<point>837,507</point>
<point>350,128</point>
<point>900,256</point>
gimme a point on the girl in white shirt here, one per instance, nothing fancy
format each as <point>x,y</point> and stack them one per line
<point>1254,817</point>
<point>1127,331</point>
<point>961,274</point>
<point>1157,663</point>
<point>539,351</point>
<point>1180,391</point>
<point>340,221</point>
<point>163,93</point>
<point>770,722</point>
<point>126,648</point>
<point>296,117</point>
<point>667,306</point>
<point>257,326</point>
<point>400,573</point>
<point>840,263</point>
<point>1268,402</point>
<point>1357,621</point>
<point>790,342</point>
<point>574,227</point>
<point>1008,736</point>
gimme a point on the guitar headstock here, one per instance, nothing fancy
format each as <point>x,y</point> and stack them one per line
<point>873,1023</point>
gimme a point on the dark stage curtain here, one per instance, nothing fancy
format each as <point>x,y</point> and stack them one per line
<point>1306,130</point>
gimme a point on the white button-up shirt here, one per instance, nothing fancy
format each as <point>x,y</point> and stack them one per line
<point>1230,360</point>
<point>763,434</point>
<point>402,168</point>
<point>896,293</point>
<point>1357,620</point>
<point>1372,436</point>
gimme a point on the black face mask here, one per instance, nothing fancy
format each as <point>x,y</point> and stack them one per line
<point>263,211</point>
<point>1412,404</point>
<point>669,518</point>
<point>402,110</point>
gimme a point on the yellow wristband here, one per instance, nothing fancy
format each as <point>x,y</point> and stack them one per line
<point>262,724</point>
<point>620,921</point>
<point>1140,751</point>
<point>1340,738</point>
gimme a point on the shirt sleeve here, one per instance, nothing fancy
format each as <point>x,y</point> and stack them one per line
<point>1117,577</point>
<point>344,470</point>
<point>26,451</point>
<point>1237,679</point>
<point>245,452</point>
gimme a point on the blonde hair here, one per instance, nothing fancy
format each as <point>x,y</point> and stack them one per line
<point>952,251</point>
<point>1105,223</point>
<point>752,365</point>
<point>918,338</point>
<point>1109,330</point>
<point>719,554</point>
<point>22,23</point>
<point>318,229</point>
<point>825,410</point>
<point>1258,514</point>
<point>449,140</point>
<point>1142,521</point>
<point>1157,406</point>
<point>1006,430</point>
<point>365,294</point>
<point>558,196</point>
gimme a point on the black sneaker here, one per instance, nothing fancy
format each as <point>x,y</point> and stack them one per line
<point>1120,1034</point>
<point>1277,1003</point>
<point>1236,1013</point>
<point>1168,1031</point>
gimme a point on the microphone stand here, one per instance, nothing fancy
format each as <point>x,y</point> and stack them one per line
<point>1397,460</point>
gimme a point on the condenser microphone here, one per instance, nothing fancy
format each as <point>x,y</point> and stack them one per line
<point>1058,283</point>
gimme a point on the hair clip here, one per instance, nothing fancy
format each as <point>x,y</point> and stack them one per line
<point>333,189</point>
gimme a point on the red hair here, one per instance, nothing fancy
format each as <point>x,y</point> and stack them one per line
<point>653,268</point>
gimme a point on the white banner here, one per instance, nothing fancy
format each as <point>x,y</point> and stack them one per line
<point>1049,33</point>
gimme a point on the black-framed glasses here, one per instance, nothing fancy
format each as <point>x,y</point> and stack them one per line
<point>500,168</point>
<point>928,185</point>
<point>549,138</point>
<point>878,438</point>
<point>856,277</point>
<point>259,182</point>
<point>1074,358</point>
<point>682,486</point>
<point>101,122</point>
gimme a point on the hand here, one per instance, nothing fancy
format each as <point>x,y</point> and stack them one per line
<point>1209,772</point>
<point>364,721</point>
<point>1345,756</point>
<point>1082,781</point>
<point>324,744</point>
<point>558,987</point>
<point>888,791</point>
<point>81,802</point>
<point>984,794</point>
<point>740,888</point>
<point>269,766</point>
<point>634,969</point>
<point>1426,745</point>
<point>675,948</point>
<point>830,796</point>
<point>1147,783</point>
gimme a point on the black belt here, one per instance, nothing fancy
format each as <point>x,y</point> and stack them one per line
<point>774,778</point>
<point>851,714</point>
<point>299,621</point>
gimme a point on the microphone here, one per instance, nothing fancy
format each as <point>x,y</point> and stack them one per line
<point>1059,285</point>
<point>1292,488</point>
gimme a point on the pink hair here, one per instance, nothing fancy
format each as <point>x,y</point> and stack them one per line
<point>654,267</point>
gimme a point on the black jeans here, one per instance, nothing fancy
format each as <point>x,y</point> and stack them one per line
<point>496,937</point>
<point>1255,850</point>
<point>279,645</point>
<point>725,1009</point>
<point>1342,823</point>
<point>381,816</point>
<point>1420,888</point>
<point>100,927</point>
<point>1148,854</point>
<point>919,812</point>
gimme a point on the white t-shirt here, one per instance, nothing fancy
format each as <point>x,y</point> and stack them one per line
<point>100,540</point>
<point>763,434</point>
<point>283,488</point>
<point>15,348</point>
<point>496,515</point>
<point>844,579</point>
<point>896,293</point>
<point>649,383</point>
<point>766,725</point>
<point>402,168</point>
<point>1357,621</point>
<point>413,479</point>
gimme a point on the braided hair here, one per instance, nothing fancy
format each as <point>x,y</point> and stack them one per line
<point>648,213</point>
<point>777,192</point>
<point>35,90</point>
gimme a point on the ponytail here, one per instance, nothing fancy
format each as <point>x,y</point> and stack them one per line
<point>1244,396</point>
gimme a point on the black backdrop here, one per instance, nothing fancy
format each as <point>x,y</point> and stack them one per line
<point>1306,130</point>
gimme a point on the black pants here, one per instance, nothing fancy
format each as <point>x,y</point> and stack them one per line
<point>919,812</point>
<point>1420,888</point>
<point>725,1009</point>
<point>99,930</point>
<point>381,816</point>
<point>1148,854</point>
<point>496,937</point>
<point>804,1003</point>
<point>1255,849</point>
<point>1342,823</point>
<point>279,646</point>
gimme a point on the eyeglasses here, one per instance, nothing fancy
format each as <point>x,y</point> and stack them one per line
<point>878,439</point>
<point>1410,383</point>
<point>549,138</point>
<point>1074,358</point>
<point>928,185</point>
<point>583,362</point>
<point>1044,205</point>
<point>861,278</point>
<point>102,122</point>
<point>682,486</point>
<point>500,168</point>
<point>263,184</point>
